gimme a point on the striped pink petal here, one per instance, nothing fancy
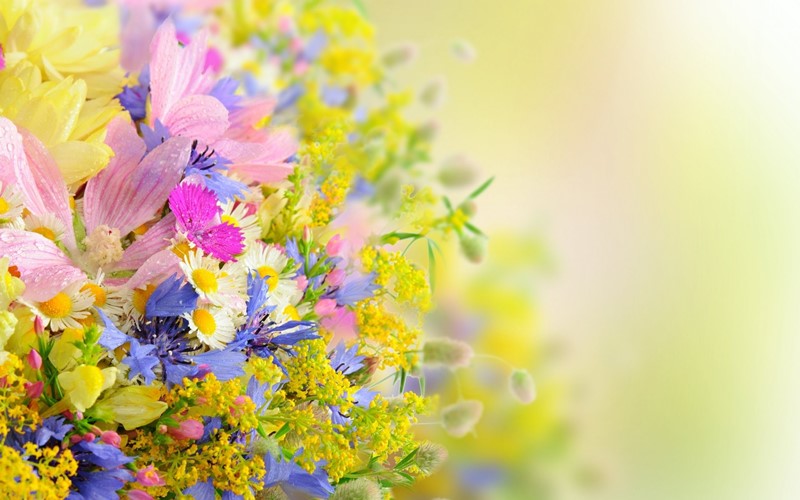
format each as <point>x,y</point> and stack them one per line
<point>200,117</point>
<point>42,266</point>
<point>263,161</point>
<point>156,238</point>
<point>155,269</point>
<point>131,190</point>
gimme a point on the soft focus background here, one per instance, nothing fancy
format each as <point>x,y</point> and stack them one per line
<point>650,148</point>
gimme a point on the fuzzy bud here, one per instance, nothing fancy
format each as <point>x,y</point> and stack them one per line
<point>274,493</point>
<point>459,419</point>
<point>399,55</point>
<point>473,248</point>
<point>360,489</point>
<point>34,389</point>
<point>432,94</point>
<point>522,386</point>
<point>458,171</point>
<point>430,457</point>
<point>428,131</point>
<point>447,352</point>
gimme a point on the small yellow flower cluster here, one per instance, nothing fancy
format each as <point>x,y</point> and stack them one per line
<point>211,397</point>
<point>43,472</point>
<point>386,426</point>
<point>264,370</point>
<point>311,376</point>
<point>334,191</point>
<point>183,464</point>
<point>387,334</point>
<point>394,271</point>
<point>16,413</point>
<point>321,440</point>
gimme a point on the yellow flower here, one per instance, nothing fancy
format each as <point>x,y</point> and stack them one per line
<point>83,385</point>
<point>132,406</point>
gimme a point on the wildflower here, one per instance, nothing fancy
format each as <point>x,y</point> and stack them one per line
<point>213,326</point>
<point>149,477</point>
<point>132,406</point>
<point>84,383</point>
<point>430,457</point>
<point>209,281</point>
<point>65,309</point>
<point>197,215</point>
<point>270,264</point>
<point>34,359</point>
<point>110,437</point>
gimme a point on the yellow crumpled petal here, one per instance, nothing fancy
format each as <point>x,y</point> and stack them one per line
<point>83,385</point>
<point>132,406</point>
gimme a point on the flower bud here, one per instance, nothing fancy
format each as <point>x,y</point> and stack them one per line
<point>334,245</point>
<point>188,429</point>
<point>459,419</point>
<point>399,55</point>
<point>473,248</point>
<point>75,438</point>
<point>432,94</point>
<point>138,495</point>
<point>464,51</point>
<point>34,359</point>
<point>325,307</point>
<point>522,386</point>
<point>430,457</point>
<point>38,325</point>
<point>335,277</point>
<point>447,352</point>
<point>360,489</point>
<point>458,171</point>
<point>110,437</point>
<point>149,477</point>
<point>89,437</point>
<point>34,389</point>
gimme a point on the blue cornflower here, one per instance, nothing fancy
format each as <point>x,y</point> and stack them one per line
<point>134,99</point>
<point>173,297</point>
<point>346,361</point>
<point>294,479</point>
<point>356,287</point>
<point>141,361</point>
<point>212,167</point>
<point>101,470</point>
<point>154,136</point>
<point>225,92</point>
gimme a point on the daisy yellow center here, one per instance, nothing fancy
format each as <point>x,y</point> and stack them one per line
<point>140,297</point>
<point>97,291</point>
<point>58,307</point>
<point>270,274</point>
<point>204,321</point>
<point>230,220</point>
<point>291,311</point>
<point>205,281</point>
<point>46,232</point>
<point>181,249</point>
<point>3,206</point>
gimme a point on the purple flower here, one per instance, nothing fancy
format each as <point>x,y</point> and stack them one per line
<point>112,337</point>
<point>141,360</point>
<point>197,213</point>
<point>173,297</point>
<point>292,478</point>
<point>355,288</point>
<point>346,361</point>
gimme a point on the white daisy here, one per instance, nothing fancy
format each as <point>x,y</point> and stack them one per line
<point>66,308</point>
<point>212,326</point>
<point>236,214</point>
<point>270,263</point>
<point>212,283</point>
<point>47,225</point>
<point>10,203</point>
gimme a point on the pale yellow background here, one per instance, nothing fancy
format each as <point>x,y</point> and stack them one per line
<point>655,146</point>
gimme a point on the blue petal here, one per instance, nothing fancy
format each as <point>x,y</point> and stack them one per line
<point>112,337</point>
<point>172,298</point>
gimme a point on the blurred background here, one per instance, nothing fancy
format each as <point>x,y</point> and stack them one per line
<point>644,240</point>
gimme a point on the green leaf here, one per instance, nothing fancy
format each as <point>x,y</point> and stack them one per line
<point>473,229</point>
<point>283,431</point>
<point>483,187</point>
<point>447,203</point>
<point>432,265</point>
<point>407,460</point>
<point>403,377</point>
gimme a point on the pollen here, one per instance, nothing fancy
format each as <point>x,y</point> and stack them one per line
<point>3,206</point>
<point>97,291</point>
<point>58,307</point>
<point>103,246</point>
<point>140,297</point>
<point>46,232</point>
<point>271,275</point>
<point>227,218</point>
<point>205,281</point>
<point>204,321</point>
<point>181,249</point>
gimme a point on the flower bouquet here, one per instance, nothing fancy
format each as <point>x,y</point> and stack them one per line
<point>200,297</point>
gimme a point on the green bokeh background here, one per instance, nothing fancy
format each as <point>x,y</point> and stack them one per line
<point>654,146</point>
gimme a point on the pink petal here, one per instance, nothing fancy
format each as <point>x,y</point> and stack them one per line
<point>128,193</point>
<point>42,266</point>
<point>223,241</point>
<point>153,241</point>
<point>200,117</point>
<point>260,161</point>
<point>155,269</point>
<point>245,118</point>
<point>27,165</point>
<point>194,206</point>
<point>139,28</point>
<point>175,71</point>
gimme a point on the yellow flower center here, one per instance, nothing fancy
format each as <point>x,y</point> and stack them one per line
<point>58,307</point>
<point>97,291</point>
<point>205,280</point>
<point>140,230</point>
<point>140,297</point>
<point>270,274</point>
<point>46,232</point>
<point>291,311</point>
<point>181,249</point>
<point>204,321</point>
<point>3,206</point>
<point>230,220</point>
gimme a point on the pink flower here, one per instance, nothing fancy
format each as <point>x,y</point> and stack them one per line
<point>334,245</point>
<point>335,277</point>
<point>197,214</point>
<point>149,477</point>
<point>188,429</point>
<point>325,307</point>
<point>342,323</point>
<point>34,389</point>
<point>110,437</point>
<point>34,359</point>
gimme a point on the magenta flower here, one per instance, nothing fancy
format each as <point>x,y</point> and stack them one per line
<point>198,218</point>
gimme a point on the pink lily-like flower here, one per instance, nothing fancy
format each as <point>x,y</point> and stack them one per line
<point>126,194</point>
<point>180,83</point>
<point>198,219</point>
